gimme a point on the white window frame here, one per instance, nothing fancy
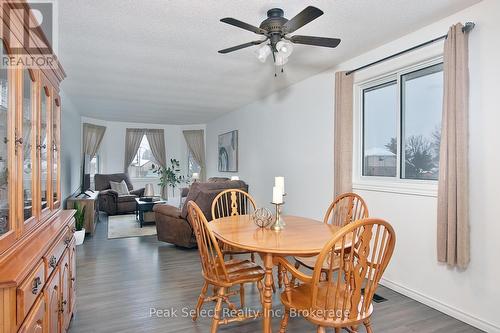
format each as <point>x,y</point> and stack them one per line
<point>391,71</point>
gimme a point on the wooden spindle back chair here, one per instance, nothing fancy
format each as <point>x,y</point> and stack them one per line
<point>344,298</point>
<point>222,275</point>
<point>212,260</point>
<point>347,208</point>
<point>232,202</point>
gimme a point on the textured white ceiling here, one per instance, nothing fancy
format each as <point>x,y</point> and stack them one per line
<point>156,60</point>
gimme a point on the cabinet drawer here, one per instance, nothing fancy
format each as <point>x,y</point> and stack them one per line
<point>53,255</point>
<point>29,290</point>
<point>35,322</point>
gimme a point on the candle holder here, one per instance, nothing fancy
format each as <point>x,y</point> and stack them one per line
<point>278,224</point>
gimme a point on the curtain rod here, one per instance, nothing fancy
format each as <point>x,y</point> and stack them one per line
<point>467,28</point>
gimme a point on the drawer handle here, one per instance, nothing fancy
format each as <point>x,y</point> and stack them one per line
<point>73,230</point>
<point>53,262</point>
<point>63,304</point>
<point>73,279</point>
<point>37,282</point>
<point>67,241</point>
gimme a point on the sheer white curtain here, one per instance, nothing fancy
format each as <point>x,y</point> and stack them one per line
<point>453,245</point>
<point>195,140</point>
<point>92,138</point>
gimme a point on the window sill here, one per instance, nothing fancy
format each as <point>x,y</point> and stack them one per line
<point>420,188</point>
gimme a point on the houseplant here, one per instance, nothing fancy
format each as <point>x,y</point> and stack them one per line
<point>79,223</point>
<point>170,176</point>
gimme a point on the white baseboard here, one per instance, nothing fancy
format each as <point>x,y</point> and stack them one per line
<point>440,306</point>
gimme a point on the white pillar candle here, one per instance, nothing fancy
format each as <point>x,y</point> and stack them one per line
<point>279,182</point>
<point>277,195</point>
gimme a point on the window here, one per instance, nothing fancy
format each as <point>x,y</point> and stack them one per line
<point>380,125</point>
<point>94,166</point>
<point>192,165</point>
<point>401,125</point>
<point>144,164</point>
<point>421,105</point>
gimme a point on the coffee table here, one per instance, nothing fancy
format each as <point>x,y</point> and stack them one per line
<point>144,207</point>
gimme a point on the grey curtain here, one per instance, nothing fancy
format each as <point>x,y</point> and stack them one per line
<point>92,138</point>
<point>343,114</point>
<point>133,138</point>
<point>156,139</point>
<point>453,245</point>
<point>195,140</point>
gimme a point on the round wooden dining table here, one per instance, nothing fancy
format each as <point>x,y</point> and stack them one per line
<point>300,237</point>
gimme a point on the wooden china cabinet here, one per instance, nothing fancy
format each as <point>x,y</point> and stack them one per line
<point>37,246</point>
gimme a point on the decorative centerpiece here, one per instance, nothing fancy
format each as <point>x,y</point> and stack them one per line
<point>262,217</point>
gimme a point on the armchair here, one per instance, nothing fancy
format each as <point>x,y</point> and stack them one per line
<point>172,223</point>
<point>109,200</point>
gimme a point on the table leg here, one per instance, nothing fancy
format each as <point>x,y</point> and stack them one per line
<point>141,217</point>
<point>267,303</point>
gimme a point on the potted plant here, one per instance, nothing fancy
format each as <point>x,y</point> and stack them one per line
<point>79,223</point>
<point>170,176</point>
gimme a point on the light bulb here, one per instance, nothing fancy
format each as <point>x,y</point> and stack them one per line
<point>263,52</point>
<point>284,47</point>
<point>281,59</point>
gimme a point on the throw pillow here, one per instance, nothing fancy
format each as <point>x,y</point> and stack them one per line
<point>121,187</point>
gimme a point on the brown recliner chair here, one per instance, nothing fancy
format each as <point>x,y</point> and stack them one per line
<point>109,200</point>
<point>172,225</point>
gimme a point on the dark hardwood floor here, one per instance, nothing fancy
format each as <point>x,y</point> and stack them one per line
<point>121,282</point>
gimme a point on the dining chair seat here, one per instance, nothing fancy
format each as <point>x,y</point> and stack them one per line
<point>243,271</point>
<point>309,262</point>
<point>301,300</point>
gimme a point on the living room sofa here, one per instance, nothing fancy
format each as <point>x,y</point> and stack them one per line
<point>172,224</point>
<point>109,200</point>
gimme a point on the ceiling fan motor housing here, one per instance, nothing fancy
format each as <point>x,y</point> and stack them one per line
<point>274,22</point>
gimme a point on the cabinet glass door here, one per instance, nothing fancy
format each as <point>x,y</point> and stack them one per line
<point>56,118</point>
<point>28,131</point>
<point>43,148</point>
<point>5,218</point>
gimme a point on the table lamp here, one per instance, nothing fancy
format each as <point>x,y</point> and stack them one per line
<point>149,190</point>
<point>195,176</point>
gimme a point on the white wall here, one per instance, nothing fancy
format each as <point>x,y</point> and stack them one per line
<point>71,139</point>
<point>112,150</point>
<point>290,133</point>
<point>287,134</point>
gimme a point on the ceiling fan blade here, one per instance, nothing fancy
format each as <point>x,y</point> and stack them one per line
<point>243,25</point>
<point>307,15</point>
<point>316,41</point>
<point>241,46</point>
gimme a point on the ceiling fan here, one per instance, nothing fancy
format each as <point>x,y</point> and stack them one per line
<point>276,29</point>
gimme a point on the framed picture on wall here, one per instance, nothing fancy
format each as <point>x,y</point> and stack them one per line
<point>228,152</point>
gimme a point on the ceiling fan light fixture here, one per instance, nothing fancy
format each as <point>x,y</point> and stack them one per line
<point>280,59</point>
<point>262,52</point>
<point>285,48</point>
